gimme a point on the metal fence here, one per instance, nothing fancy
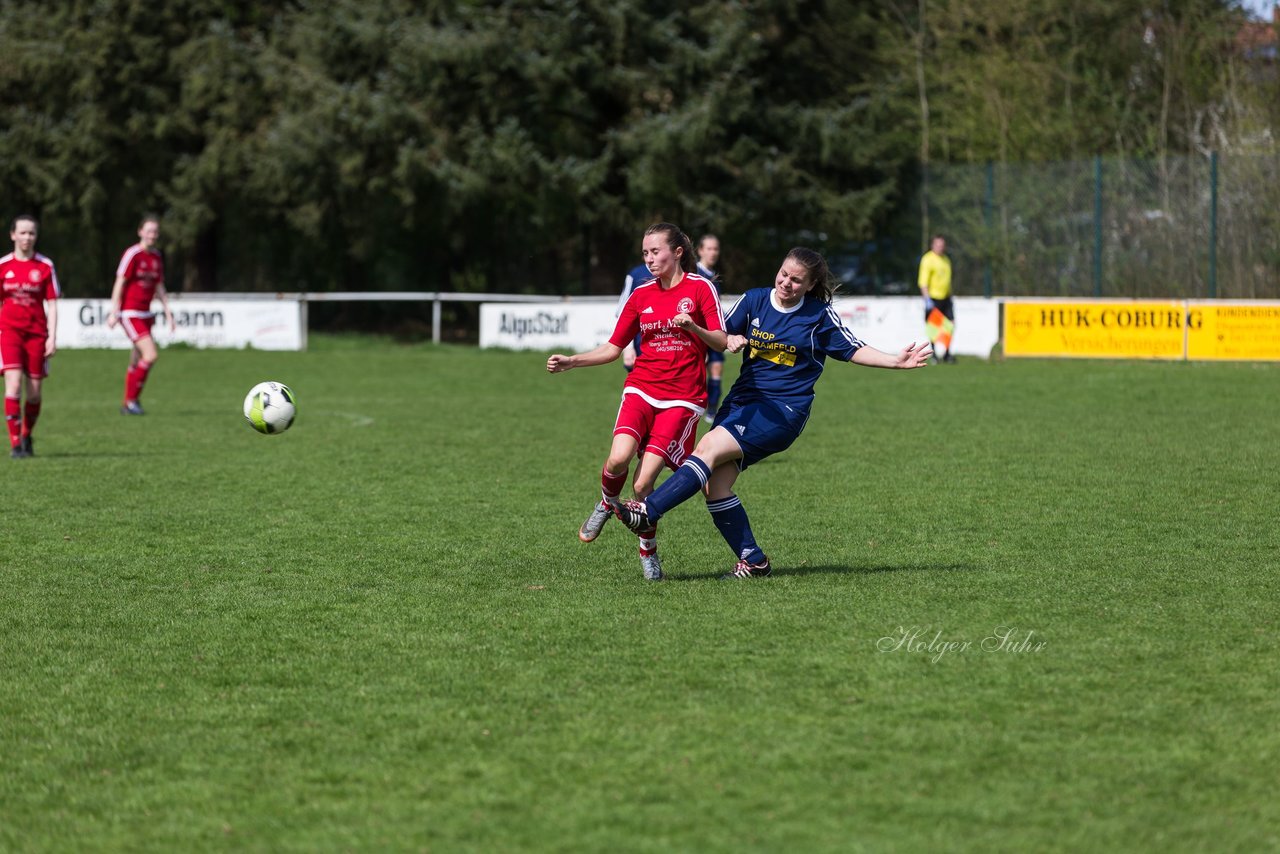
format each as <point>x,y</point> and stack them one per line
<point>1183,227</point>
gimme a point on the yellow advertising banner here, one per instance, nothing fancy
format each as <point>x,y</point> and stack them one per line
<point>1233,330</point>
<point>1133,329</point>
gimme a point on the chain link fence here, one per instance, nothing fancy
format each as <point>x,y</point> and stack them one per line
<point>1181,227</point>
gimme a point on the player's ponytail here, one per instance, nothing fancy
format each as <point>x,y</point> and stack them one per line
<point>676,239</point>
<point>824,284</point>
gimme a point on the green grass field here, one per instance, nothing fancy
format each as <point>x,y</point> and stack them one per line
<point>379,631</point>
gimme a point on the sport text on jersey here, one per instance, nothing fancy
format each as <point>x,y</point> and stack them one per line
<point>664,336</point>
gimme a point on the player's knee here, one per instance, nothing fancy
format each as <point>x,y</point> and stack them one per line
<point>617,465</point>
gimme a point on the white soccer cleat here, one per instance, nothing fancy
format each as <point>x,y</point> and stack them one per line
<point>652,566</point>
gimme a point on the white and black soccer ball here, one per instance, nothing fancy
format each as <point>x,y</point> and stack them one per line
<point>270,407</point>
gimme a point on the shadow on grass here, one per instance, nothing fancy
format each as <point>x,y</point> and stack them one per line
<point>97,455</point>
<point>779,571</point>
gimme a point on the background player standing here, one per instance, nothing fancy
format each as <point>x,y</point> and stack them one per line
<point>678,316</point>
<point>28,330</point>
<point>708,258</point>
<point>139,279</point>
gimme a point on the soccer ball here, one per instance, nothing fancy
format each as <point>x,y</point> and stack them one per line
<point>270,407</point>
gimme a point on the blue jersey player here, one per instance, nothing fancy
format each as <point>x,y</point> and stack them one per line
<point>708,258</point>
<point>785,333</point>
<point>637,277</point>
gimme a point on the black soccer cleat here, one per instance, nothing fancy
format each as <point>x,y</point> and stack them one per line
<point>748,570</point>
<point>632,514</point>
<point>17,453</point>
<point>27,447</point>
<point>132,407</point>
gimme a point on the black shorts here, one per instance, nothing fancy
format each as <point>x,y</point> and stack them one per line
<point>943,305</point>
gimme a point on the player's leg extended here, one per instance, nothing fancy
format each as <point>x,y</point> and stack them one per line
<point>715,448</point>
<point>13,406</point>
<point>730,519</point>
<point>647,472</point>
<point>612,478</point>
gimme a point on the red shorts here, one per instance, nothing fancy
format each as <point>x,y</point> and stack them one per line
<point>668,432</point>
<point>24,351</point>
<point>137,328</point>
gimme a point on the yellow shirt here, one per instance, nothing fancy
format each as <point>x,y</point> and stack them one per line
<point>935,274</point>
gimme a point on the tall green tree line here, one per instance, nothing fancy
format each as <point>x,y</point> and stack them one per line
<point>523,145</point>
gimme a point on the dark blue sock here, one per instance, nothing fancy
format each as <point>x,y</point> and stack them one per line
<point>731,519</point>
<point>684,483</point>
<point>713,395</point>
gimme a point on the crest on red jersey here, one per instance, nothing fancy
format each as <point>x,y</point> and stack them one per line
<point>34,275</point>
<point>684,306</point>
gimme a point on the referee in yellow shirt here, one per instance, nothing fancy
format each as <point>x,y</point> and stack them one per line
<point>935,287</point>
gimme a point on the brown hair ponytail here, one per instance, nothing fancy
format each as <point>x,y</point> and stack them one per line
<point>824,284</point>
<point>676,239</point>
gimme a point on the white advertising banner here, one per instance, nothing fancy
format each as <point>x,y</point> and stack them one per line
<point>890,323</point>
<point>263,324</point>
<point>886,323</point>
<point>574,327</point>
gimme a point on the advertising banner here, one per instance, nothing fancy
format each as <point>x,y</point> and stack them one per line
<point>891,323</point>
<point>569,327</point>
<point>1233,330</point>
<point>886,323</point>
<point>264,324</point>
<point>1133,329</point>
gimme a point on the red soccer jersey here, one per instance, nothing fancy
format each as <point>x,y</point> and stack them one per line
<point>143,271</point>
<point>27,284</point>
<point>672,364</point>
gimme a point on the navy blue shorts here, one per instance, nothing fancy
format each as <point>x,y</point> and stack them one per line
<point>762,428</point>
<point>713,357</point>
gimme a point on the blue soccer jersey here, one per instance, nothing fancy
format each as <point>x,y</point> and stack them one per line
<point>786,348</point>
<point>637,277</point>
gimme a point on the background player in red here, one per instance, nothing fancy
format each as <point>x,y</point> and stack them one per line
<point>27,330</point>
<point>139,279</point>
<point>678,316</point>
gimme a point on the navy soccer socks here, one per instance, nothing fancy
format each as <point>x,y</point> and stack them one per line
<point>713,395</point>
<point>731,520</point>
<point>684,483</point>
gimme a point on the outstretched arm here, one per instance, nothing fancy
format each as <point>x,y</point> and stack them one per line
<point>914,356</point>
<point>602,355</point>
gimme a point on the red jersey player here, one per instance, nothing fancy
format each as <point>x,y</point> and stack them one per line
<point>27,330</point>
<point>139,279</point>
<point>678,317</point>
